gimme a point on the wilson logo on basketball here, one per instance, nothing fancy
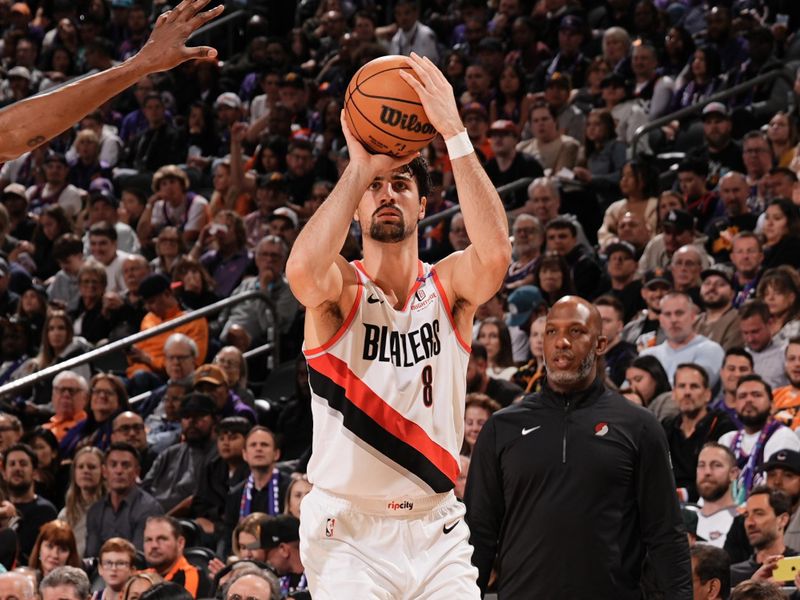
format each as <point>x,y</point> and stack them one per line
<point>395,118</point>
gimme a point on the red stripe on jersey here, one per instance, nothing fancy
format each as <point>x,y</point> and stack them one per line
<point>345,326</point>
<point>382,413</point>
<point>467,348</point>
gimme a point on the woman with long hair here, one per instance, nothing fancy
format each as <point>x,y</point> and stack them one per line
<point>196,288</point>
<point>703,78</point>
<point>107,398</point>
<point>779,288</point>
<point>667,201</point>
<point>297,490</point>
<point>604,156</point>
<point>781,234</point>
<point>530,375</point>
<point>59,343</point>
<point>553,277</point>
<point>86,486</point>
<point>511,102</point>
<point>782,137</point>
<point>478,408</point>
<point>48,476</point>
<point>647,377</point>
<point>169,248</point>
<point>246,532</point>
<point>55,546</point>
<point>139,583</point>
<point>638,187</point>
<point>53,222</point>
<point>494,335</point>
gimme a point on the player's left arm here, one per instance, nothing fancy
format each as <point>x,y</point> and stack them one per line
<point>475,274</point>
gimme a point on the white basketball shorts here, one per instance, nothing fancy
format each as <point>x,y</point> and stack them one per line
<point>386,549</point>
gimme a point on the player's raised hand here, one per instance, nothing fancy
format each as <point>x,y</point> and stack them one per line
<point>166,47</point>
<point>436,95</point>
<point>361,159</point>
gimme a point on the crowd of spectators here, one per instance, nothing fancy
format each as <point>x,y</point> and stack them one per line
<point>159,465</point>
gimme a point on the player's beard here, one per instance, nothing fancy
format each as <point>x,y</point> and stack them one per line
<point>566,377</point>
<point>389,232</point>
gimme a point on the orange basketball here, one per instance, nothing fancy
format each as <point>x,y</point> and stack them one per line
<point>384,112</point>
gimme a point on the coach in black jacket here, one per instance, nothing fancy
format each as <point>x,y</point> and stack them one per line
<point>572,487</point>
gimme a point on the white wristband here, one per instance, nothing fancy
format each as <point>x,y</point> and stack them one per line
<point>459,145</point>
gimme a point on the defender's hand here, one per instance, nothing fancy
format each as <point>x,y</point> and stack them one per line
<point>166,47</point>
<point>436,95</point>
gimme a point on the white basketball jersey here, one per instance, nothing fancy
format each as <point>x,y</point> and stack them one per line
<point>388,395</point>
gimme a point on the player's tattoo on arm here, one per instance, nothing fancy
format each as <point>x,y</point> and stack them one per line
<point>35,141</point>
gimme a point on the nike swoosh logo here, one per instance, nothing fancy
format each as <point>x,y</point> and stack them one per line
<point>530,430</point>
<point>446,529</point>
<point>372,299</point>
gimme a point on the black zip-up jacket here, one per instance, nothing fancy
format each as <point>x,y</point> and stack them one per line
<point>570,492</point>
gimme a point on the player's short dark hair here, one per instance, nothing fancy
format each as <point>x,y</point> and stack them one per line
<point>418,168</point>
<point>694,367</point>
<point>759,379</point>
<point>739,351</point>
<point>710,563</point>
<point>779,501</point>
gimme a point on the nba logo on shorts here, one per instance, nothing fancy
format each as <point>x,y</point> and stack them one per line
<point>329,527</point>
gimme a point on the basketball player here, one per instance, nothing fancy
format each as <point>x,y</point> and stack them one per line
<point>387,343</point>
<point>31,122</point>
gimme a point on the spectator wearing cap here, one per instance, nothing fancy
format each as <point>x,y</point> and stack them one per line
<point>173,205</point>
<point>700,202</point>
<point>159,144</point>
<point>637,184</point>
<point>210,379</point>
<point>525,304</point>
<point>619,353</point>
<point>678,230</point>
<point>18,84</point>
<point>628,114</point>
<point>280,538</point>
<point>733,193</point>
<point>248,323</point>
<point>654,90</point>
<point>570,119</point>
<point>147,356</point>
<point>644,329</point>
<point>220,473</point>
<point>755,106</point>
<point>271,193</point>
<point>173,478</point>
<point>55,189</point>
<point>15,199</point>
<point>508,164</point>
<point>719,149</point>
<point>230,259</point>
<point>87,164</point>
<point>553,150</point>
<point>569,60</point>
<point>103,207</point>
<point>621,266</point>
<point>123,511</point>
<point>412,35</point>
<point>783,474</point>
<point>285,224</point>
<point>476,122</point>
<point>264,489</point>
<point>720,322</point>
<point>682,343</point>
<point>527,246</point>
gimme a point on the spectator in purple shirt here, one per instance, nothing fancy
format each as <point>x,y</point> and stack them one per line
<point>210,379</point>
<point>229,263</point>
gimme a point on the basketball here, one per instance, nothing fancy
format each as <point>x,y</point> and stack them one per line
<point>383,112</point>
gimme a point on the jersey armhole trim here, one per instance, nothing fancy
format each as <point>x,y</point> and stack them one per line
<point>464,346</point>
<point>345,326</point>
